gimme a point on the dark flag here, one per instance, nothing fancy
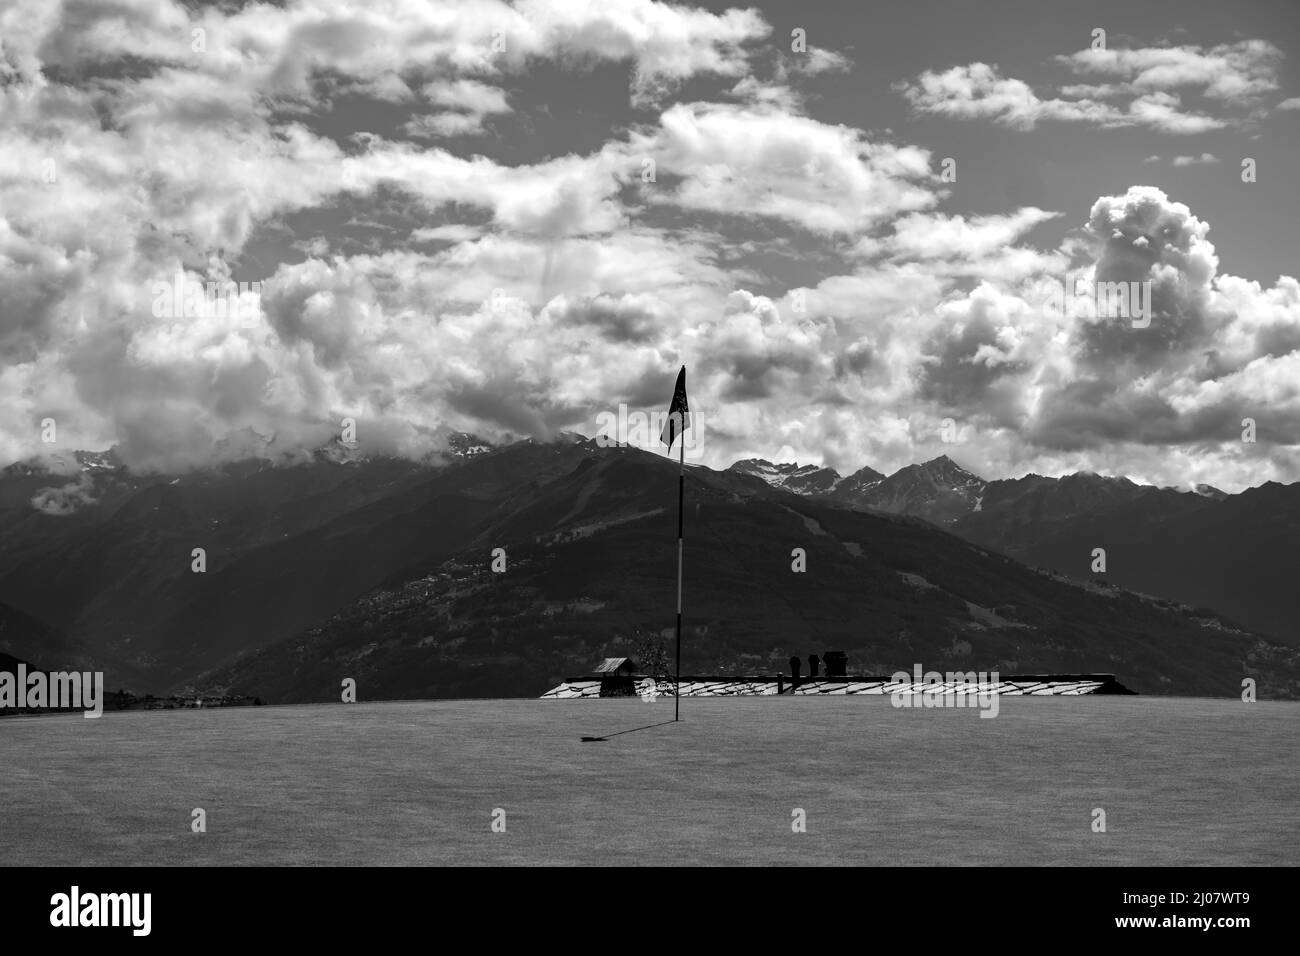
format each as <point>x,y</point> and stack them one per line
<point>679,415</point>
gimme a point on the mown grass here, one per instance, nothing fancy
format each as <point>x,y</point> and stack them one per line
<point>1182,781</point>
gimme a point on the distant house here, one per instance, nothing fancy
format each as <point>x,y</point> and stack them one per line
<point>616,675</point>
<point>617,666</point>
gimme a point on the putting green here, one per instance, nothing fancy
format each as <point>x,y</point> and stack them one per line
<point>1181,781</point>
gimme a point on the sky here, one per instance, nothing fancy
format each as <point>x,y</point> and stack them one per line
<point>847,220</point>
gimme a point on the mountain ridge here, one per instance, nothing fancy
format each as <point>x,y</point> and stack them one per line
<point>590,570</point>
<point>290,548</point>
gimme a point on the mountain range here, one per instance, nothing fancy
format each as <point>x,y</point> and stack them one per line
<point>381,569</point>
<point>939,490</point>
<point>1198,545</point>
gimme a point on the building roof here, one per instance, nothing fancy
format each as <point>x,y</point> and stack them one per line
<point>611,665</point>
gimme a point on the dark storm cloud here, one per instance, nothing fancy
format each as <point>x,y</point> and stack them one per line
<point>750,376</point>
<point>321,307</point>
<point>30,299</point>
<point>624,318</point>
<point>1094,414</point>
<point>653,387</point>
<point>512,406</point>
<point>961,363</point>
<point>1087,414</point>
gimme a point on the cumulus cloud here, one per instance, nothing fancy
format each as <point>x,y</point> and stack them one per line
<point>1143,88</point>
<point>308,47</point>
<point>1205,159</point>
<point>979,91</point>
<point>527,296</point>
<point>112,185</point>
<point>1230,72</point>
<point>820,60</point>
<point>938,236</point>
<point>976,355</point>
<point>466,104</point>
<point>1214,345</point>
<point>748,160</point>
<point>1048,388</point>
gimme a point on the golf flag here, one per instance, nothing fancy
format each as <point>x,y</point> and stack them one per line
<point>679,419</point>
<point>679,415</point>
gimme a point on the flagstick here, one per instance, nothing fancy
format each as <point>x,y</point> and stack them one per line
<point>681,485</point>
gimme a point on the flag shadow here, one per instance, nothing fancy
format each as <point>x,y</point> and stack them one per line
<point>630,731</point>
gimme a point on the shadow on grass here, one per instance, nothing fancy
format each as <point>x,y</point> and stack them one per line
<point>631,731</point>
